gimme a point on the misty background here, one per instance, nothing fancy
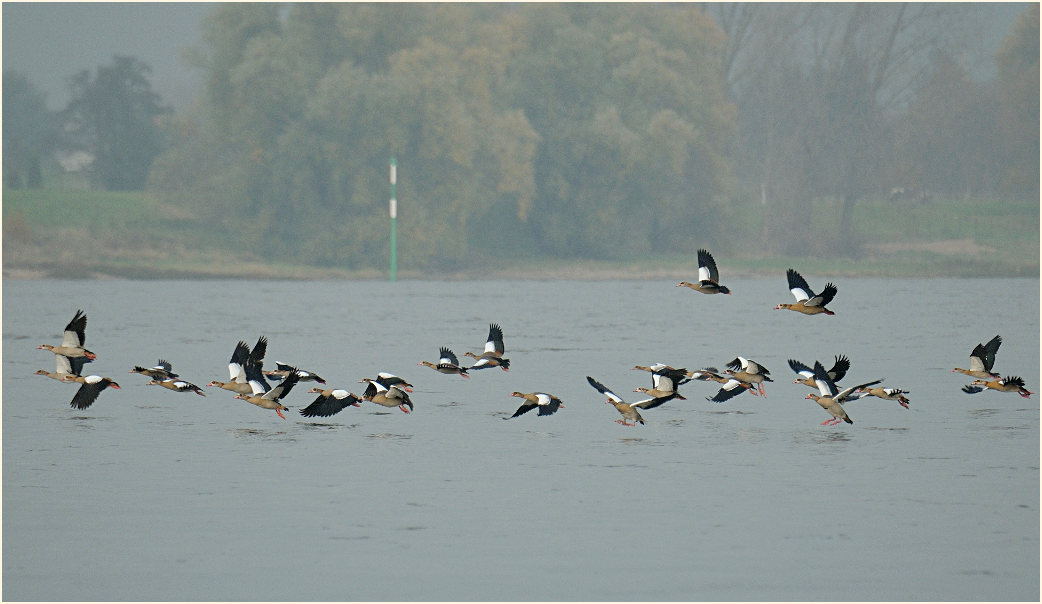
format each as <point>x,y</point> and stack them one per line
<point>523,130</point>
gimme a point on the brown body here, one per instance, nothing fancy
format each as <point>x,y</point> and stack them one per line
<point>659,393</point>
<point>1006,384</point>
<point>177,386</point>
<point>271,398</point>
<point>264,403</point>
<point>807,302</point>
<point>706,287</point>
<point>547,404</point>
<point>73,339</point>
<point>630,415</point>
<point>890,394</point>
<point>838,371</point>
<point>73,352</point>
<point>831,396</point>
<point>387,396</point>
<point>492,355</point>
<point>90,388</point>
<point>54,375</point>
<point>807,310</point>
<point>982,358</point>
<point>708,276</point>
<point>236,387</point>
<point>749,372</point>
<point>447,363</point>
<point>833,407</point>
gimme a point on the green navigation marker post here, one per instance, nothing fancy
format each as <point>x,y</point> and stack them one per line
<point>394,216</point>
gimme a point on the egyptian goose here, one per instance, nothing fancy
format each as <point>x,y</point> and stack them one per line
<point>831,396</point>
<point>838,371</point>
<point>750,372</point>
<point>547,404</point>
<point>678,376</point>
<point>65,366</point>
<point>708,276</point>
<point>282,370</point>
<point>54,375</point>
<point>656,368</point>
<point>177,386</point>
<point>90,387</point>
<point>659,396</point>
<point>387,380</point>
<point>163,370</point>
<point>271,398</point>
<point>630,415</point>
<point>982,358</point>
<point>387,396</point>
<point>656,401</point>
<point>489,362</point>
<point>890,394</point>
<point>256,359</point>
<point>730,389</point>
<point>72,339</point>
<point>1010,383</point>
<point>447,363</point>
<point>238,382</point>
<point>329,402</point>
<point>664,382</point>
<point>492,356</point>
<point>807,302</point>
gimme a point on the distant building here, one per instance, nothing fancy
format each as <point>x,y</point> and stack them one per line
<point>74,161</point>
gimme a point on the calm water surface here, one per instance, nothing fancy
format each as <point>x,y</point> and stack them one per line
<point>156,495</point>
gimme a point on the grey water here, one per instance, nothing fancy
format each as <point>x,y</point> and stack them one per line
<point>156,495</point>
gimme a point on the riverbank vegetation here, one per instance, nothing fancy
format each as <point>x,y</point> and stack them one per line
<point>83,234</point>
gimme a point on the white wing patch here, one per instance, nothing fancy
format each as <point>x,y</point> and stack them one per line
<point>800,294</point>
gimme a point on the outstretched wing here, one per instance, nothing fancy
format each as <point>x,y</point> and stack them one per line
<point>825,384</point>
<point>798,286</point>
<point>847,391</point>
<point>707,270</point>
<point>551,405</point>
<point>651,403</point>
<point>447,357</point>
<point>75,332</point>
<point>824,297</point>
<point>604,390</point>
<point>325,406</point>
<point>840,368</point>
<point>728,391</point>
<point>237,364</point>
<point>990,349</point>
<point>495,340</point>
<point>801,369</point>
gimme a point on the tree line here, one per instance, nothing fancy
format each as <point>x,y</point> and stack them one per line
<point>575,130</point>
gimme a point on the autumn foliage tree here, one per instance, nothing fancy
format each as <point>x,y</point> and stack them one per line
<point>581,130</point>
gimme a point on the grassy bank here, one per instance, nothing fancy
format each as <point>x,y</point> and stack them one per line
<point>92,234</point>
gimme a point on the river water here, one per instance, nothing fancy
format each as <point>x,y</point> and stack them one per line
<point>156,495</point>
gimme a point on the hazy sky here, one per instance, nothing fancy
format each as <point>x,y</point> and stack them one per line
<point>50,41</point>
